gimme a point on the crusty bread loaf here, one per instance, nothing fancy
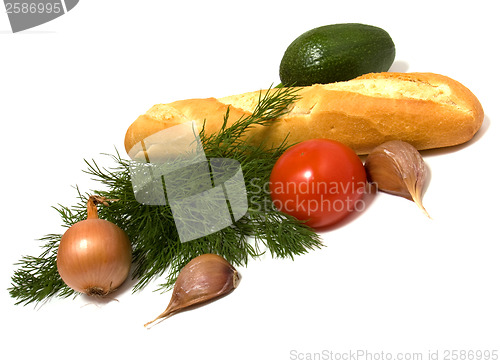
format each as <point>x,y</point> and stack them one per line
<point>424,109</point>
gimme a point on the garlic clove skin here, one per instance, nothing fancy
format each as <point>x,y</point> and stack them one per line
<point>205,278</point>
<point>397,167</point>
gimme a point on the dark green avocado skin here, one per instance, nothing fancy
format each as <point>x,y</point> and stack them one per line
<point>337,52</point>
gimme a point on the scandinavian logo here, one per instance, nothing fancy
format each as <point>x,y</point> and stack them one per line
<point>204,195</point>
<point>26,14</point>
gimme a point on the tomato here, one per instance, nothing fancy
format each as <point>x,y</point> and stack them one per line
<point>319,181</point>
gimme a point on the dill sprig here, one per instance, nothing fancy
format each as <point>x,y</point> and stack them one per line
<point>157,249</point>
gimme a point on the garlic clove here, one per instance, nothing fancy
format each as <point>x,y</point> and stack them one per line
<point>205,278</point>
<point>397,167</point>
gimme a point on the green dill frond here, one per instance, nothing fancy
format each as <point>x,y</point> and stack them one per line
<point>157,249</point>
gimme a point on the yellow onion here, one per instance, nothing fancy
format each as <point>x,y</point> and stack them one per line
<point>94,255</point>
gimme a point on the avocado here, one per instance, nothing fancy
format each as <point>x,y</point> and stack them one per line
<point>337,52</point>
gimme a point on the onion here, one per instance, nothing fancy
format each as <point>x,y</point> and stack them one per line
<point>94,255</point>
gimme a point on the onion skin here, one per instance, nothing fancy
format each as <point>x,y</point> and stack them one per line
<point>94,257</point>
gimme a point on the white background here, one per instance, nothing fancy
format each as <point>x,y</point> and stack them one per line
<point>389,281</point>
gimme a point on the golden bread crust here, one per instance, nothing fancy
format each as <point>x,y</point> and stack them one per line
<point>425,109</point>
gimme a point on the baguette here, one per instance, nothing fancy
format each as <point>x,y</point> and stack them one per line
<point>424,109</point>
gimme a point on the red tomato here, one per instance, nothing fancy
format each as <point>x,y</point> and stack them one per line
<point>319,181</point>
